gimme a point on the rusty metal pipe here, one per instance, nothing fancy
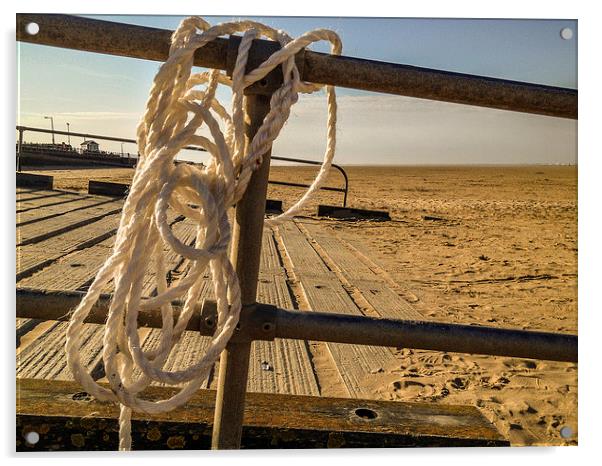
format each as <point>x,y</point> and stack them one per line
<point>336,328</point>
<point>153,44</point>
<point>245,255</point>
<point>344,190</point>
<point>362,330</point>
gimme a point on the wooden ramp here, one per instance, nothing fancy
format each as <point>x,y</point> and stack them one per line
<point>63,238</point>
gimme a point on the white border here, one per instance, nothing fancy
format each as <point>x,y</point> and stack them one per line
<point>589,212</point>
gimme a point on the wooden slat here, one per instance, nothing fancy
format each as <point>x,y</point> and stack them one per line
<point>73,271</point>
<point>324,292</point>
<point>362,276</point>
<point>346,262</point>
<point>69,420</point>
<point>40,231</point>
<point>34,194</point>
<point>44,202</point>
<point>385,301</point>
<point>290,370</point>
<point>62,275</point>
<point>33,257</point>
<point>56,210</point>
<point>45,358</point>
<point>306,262</point>
<point>24,326</point>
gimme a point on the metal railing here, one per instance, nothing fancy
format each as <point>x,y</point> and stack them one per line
<point>54,148</point>
<point>260,321</point>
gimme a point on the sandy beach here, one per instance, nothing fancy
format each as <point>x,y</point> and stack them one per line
<point>493,246</point>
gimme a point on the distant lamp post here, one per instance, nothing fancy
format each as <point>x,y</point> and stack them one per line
<point>68,135</point>
<point>122,149</point>
<point>51,126</point>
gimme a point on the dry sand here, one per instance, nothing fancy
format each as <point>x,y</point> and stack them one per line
<point>487,245</point>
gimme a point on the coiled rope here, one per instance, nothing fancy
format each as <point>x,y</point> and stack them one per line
<point>175,110</point>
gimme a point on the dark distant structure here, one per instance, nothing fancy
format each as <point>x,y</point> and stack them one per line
<point>90,146</point>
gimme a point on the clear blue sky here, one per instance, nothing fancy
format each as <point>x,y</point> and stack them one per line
<point>106,95</point>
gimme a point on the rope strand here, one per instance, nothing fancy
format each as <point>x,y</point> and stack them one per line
<point>175,110</point>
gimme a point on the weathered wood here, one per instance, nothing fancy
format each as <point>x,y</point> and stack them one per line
<point>351,214</point>
<point>362,277</point>
<point>34,181</point>
<point>68,419</point>
<point>385,301</point>
<point>306,261</point>
<point>346,262</point>
<point>58,209</point>
<point>289,369</point>
<point>325,292</point>
<point>45,358</point>
<point>33,257</point>
<point>47,201</point>
<point>105,188</point>
<point>24,326</point>
<point>40,231</point>
<point>74,272</point>
<point>33,194</point>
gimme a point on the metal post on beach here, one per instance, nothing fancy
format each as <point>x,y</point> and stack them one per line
<point>245,255</point>
<point>19,149</point>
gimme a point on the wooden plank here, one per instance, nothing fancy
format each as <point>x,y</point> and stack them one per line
<point>40,231</point>
<point>73,271</point>
<point>324,292</point>
<point>34,194</point>
<point>385,301</point>
<point>43,202</point>
<point>57,209</point>
<point>31,180</point>
<point>20,190</point>
<point>45,358</point>
<point>187,352</point>
<point>68,419</point>
<point>108,189</point>
<point>33,257</point>
<point>24,326</point>
<point>361,276</point>
<point>346,262</point>
<point>289,367</point>
<point>306,261</point>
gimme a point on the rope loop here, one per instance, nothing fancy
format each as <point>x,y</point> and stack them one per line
<point>166,194</point>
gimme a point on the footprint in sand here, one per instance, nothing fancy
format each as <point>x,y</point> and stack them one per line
<point>459,383</point>
<point>514,363</point>
<point>411,389</point>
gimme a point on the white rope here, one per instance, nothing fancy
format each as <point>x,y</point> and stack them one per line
<point>175,110</point>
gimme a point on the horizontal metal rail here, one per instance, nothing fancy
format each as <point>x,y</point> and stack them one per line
<point>341,170</point>
<point>148,43</point>
<point>345,190</point>
<point>266,322</point>
<point>87,136</point>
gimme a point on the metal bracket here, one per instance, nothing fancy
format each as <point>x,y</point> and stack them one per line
<point>257,322</point>
<point>258,53</point>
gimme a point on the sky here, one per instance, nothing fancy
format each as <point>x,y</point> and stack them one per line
<point>106,95</point>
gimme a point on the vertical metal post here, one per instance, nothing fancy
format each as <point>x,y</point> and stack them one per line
<point>246,254</point>
<point>19,149</point>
